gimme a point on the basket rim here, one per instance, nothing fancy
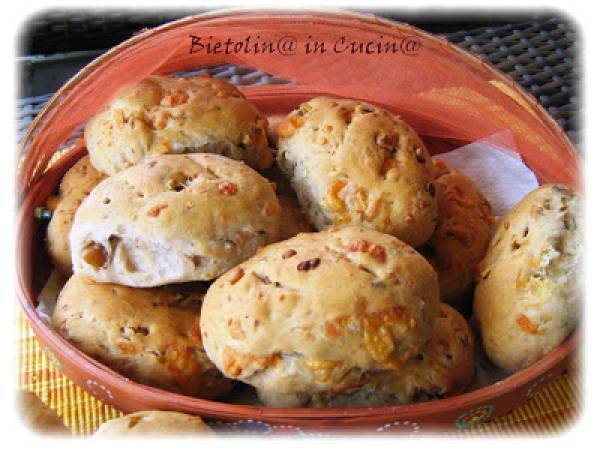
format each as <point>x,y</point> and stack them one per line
<point>283,15</point>
<point>212,408</point>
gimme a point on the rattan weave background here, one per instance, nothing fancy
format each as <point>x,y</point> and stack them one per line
<point>542,56</point>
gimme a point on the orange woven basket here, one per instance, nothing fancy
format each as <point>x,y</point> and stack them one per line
<point>448,95</point>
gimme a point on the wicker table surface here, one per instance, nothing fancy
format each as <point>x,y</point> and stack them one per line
<point>540,55</point>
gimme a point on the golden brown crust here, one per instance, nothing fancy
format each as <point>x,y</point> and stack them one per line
<point>448,362</point>
<point>528,296</point>
<point>351,163</point>
<point>302,313</point>
<point>149,335</point>
<point>444,367</point>
<point>173,218</point>
<point>155,424</point>
<point>177,115</point>
<point>462,234</point>
<point>75,186</point>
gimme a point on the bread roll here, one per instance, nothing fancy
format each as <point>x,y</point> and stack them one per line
<point>462,234</point>
<point>38,416</point>
<point>177,115</point>
<point>75,186</point>
<point>351,163</point>
<point>155,424</point>
<point>528,297</point>
<point>173,218</point>
<point>148,335</point>
<point>303,316</point>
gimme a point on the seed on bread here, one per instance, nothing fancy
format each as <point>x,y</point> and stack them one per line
<point>309,264</point>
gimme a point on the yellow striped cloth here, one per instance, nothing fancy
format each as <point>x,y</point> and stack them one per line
<point>80,411</point>
<point>552,409</point>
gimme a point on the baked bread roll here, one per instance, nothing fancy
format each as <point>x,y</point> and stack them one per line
<point>173,218</point>
<point>75,186</point>
<point>177,115</point>
<point>303,315</point>
<point>293,220</point>
<point>528,297</point>
<point>351,163</point>
<point>462,234</point>
<point>38,416</point>
<point>444,368</point>
<point>155,424</point>
<point>148,335</point>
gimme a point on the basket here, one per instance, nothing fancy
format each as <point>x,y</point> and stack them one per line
<point>448,95</point>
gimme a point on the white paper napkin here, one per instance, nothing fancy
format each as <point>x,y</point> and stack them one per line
<point>498,172</point>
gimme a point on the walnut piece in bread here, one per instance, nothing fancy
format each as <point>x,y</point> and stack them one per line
<point>351,163</point>
<point>148,335</point>
<point>177,115</point>
<point>302,316</point>
<point>528,297</point>
<point>173,218</point>
<point>75,186</point>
